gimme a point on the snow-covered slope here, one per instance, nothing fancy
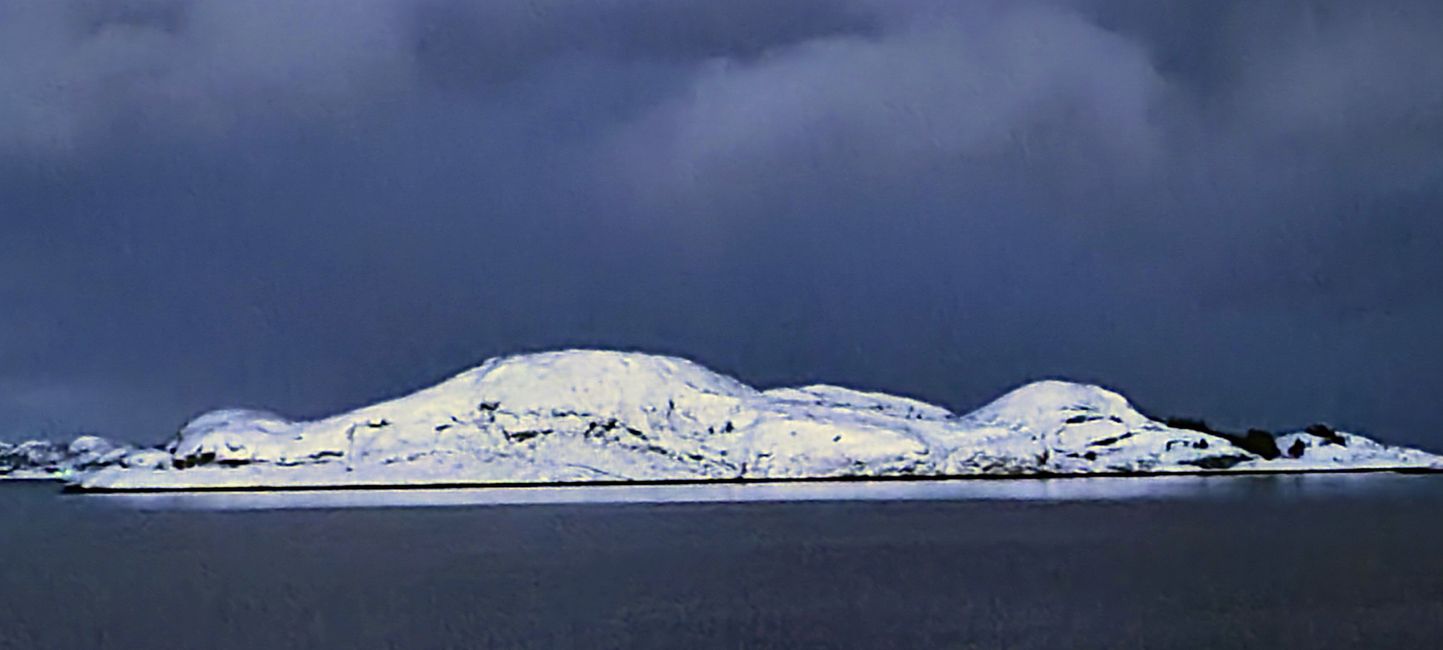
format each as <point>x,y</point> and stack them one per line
<point>592,415</point>
<point>44,459</point>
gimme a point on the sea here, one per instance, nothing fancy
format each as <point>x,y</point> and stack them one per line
<point>1295,561</point>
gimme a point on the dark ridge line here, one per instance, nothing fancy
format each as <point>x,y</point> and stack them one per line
<point>75,488</point>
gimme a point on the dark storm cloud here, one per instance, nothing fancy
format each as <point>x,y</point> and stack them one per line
<point>84,68</point>
<point>1227,208</point>
<point>469,45</point>
<point>1305,137</point>
<point>1052,86</point>
<point>76,71</point>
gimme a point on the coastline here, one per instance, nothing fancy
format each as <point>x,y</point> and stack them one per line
<point>79,488</point>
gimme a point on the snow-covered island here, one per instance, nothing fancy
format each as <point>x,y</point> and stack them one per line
<point>589,416</point>
<point>45,459</point>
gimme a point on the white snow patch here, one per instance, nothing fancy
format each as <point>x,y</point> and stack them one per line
<point>594,415</point>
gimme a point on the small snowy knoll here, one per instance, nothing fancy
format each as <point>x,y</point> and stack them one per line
<point>591,415</point>
<point>44,459</point>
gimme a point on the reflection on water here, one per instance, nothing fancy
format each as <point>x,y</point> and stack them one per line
<point>1250,487</point>
<point>1316,562</point>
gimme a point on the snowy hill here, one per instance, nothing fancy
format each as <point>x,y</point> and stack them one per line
<point>590,415</point>
<point>43,459</point>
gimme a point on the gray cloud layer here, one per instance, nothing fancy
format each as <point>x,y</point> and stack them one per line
<point>1227,208</point>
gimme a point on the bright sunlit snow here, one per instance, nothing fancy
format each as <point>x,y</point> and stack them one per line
<point>590,415</point>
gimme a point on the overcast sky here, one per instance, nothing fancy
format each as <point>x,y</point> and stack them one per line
<point>1223,209</point>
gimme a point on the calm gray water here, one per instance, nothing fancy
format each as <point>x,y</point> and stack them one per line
<point>1282,562</point>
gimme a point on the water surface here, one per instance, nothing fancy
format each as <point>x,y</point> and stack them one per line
<point>1266,562</point>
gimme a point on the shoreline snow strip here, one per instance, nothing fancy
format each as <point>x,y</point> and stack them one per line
<point>76,488</point>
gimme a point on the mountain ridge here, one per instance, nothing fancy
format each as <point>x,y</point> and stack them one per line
<point>589,416</point>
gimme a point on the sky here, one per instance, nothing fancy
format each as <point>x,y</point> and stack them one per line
<point>1226,209</point>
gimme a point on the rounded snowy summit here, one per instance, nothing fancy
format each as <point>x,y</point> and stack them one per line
<point>596,380</point>
<point>1044,402</point>
<point>235,419</point>
<point>231,434</point>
